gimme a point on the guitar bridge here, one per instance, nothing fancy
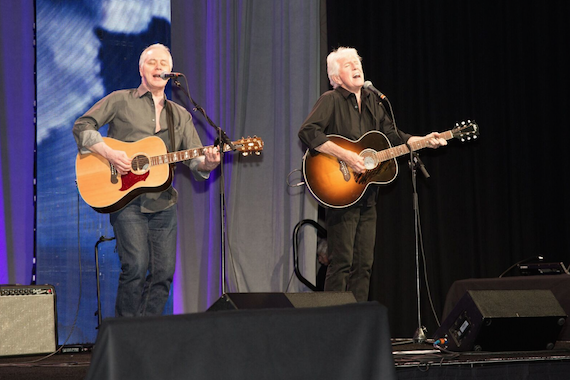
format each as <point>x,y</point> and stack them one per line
<point>114,173</point>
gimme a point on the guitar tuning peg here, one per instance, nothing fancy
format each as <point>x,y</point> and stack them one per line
<point>258,153</point>
<point>245,154</point>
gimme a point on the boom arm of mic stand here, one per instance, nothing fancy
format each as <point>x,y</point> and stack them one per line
<point>414,157</point>
<point>224,139</point>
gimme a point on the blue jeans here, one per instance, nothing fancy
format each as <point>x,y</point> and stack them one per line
<point>146,243</point>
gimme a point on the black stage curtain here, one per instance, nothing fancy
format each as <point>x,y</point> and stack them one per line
<point>488,203</point>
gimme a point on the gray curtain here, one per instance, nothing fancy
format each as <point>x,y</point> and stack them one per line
<point>254,66</point>
<point>17,141</point>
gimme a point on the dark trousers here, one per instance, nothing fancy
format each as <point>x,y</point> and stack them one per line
<point>351,235</point>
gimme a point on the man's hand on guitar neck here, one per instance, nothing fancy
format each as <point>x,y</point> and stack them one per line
<point>433,140</point>
<point>211,159</point>
<point>117,158</point>
<point>352,159</point>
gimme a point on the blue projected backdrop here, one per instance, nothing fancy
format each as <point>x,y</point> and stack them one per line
<point>85,50</point>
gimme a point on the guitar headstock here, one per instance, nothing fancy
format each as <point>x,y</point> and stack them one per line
<point>466,130</point>
<point>249,145</point>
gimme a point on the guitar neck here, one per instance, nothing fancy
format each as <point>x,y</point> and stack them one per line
<point>403,149</point>
<point>183,155</point>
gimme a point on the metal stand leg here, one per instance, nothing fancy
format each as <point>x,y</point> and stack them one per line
<point>98,312</point>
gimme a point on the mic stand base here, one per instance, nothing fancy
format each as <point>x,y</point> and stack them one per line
<point>420,335</point>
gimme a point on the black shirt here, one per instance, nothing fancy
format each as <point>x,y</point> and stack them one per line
<point>336,112</point>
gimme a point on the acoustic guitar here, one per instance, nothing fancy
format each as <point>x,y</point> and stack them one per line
<point>335,185</point>
<point>105,190</point>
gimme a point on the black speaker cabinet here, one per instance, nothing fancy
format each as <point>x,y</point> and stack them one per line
<point>503,320</point>
<point>235,301</point>
<point>27,319</point>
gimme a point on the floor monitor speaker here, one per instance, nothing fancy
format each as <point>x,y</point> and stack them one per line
<point>236,301</point>
<point>503,320</point>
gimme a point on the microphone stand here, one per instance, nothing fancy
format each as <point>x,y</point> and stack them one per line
<point>220,141</point>
<point>415,162</point>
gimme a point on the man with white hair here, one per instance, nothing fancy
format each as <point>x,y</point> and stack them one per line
<point>349,110</point>
<point>146,228</point>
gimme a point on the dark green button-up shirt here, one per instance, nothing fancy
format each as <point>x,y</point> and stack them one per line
<point>131,117</point>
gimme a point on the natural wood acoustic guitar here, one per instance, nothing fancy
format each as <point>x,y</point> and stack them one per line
<point>105,190</point>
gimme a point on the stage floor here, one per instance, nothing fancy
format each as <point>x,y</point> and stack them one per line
<point>412,361</point>
<point>408,354</point>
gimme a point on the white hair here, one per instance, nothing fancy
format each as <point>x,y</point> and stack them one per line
<point>332,62</point>
<point>155,46</point>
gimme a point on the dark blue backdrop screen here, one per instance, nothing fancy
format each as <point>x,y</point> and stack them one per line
<point>85,50</point>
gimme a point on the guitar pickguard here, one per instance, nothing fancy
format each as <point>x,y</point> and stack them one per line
<point>130,179</point>
<point>344,170</point>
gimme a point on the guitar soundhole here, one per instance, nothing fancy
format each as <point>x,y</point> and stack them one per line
<point>140,164</point>
<point>370,159</point>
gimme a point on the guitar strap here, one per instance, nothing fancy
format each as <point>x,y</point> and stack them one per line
<point>171,134</point>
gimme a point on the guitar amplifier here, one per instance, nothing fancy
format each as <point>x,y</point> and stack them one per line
<point>28,319</point>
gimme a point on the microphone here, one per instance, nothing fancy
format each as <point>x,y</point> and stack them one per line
<point>369,86</point>
<point>165,75</point>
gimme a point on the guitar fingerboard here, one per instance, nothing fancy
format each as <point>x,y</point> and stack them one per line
<point>400,150</point>
<point>182,155</point>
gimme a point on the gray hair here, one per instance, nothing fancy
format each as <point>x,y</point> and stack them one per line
<point>155,46</point>
<point>332,62</point>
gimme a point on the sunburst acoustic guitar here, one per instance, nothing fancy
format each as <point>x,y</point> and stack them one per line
<point>335,185</point>
<point>105,190</point>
